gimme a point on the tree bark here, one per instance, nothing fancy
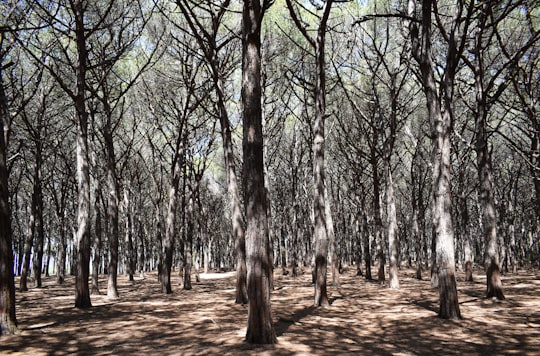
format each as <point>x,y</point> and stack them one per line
<point>97,241</point>
<point>483,163</point>
<point>8,320</point>
<point>391,228</point>
<point>37,205</point>
<point>113,199</point>
<point>441,127</point>
<point>130,253</point>
<point>82,291</point>
<point>259,327</point>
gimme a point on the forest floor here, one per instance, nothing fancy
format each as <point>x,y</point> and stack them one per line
<point>364,318</point>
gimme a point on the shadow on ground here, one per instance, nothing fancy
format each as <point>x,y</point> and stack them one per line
<point>364,318</point>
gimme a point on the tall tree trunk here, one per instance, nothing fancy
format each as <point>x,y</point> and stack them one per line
<point>170,224</point>
<point>366,237</point>
<point>82,291</point>
<point>61,254</point>
<point>441,127</point>
<point>414,219</point>
<point>23,281</point>
<point>188,240</point>
<point>391,227</point>
<point>259,326</point>
<point>485,176</point>
<point>97,241</point>
<point>467,243</point>
<point>113,199</point>
<point>378,228</point>
<point>234,198</point>
<point>38,231</point>
<point>8,320</point>
<point>130,253</point>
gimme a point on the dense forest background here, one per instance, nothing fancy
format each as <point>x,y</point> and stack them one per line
<point>394,133</point>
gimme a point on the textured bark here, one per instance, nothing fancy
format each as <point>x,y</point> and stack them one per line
<point>113,198</point>
<point>97,241</point>
<point>130,251</point>
<point>367,245</point>
<point>414,219</point>
<point>168,242</point>
<point>188,239</point>
<point>332,250</point>
<point>379,244</point>
<point>8,320</point>
<point>391,229</point>
<point>320,233</point>
<point>37,206</point>
<point>23,281</point>
<point>467,244</point>
<point>82,291</point>
<point>483,164</point>
<point>259,326</point>
<point>441,128</point>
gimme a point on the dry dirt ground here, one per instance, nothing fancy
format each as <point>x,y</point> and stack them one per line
<point>364,318</point>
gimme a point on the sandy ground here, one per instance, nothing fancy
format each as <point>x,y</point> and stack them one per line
<point>364,318</point>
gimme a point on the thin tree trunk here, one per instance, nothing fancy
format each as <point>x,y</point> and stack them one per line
<point>130,253</point>
<point>188,240</point>
<point>97,241</point>
<point>23,281</point>
<point>38,231</point>
<point>467,248</point>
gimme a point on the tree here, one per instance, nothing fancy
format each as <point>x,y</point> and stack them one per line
<point>8,319</point>
<point>319,202</point>
<point>440,111</point>
<point>259,265</point>
<point>488,69</point>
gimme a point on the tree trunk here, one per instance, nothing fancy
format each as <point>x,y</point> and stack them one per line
<point>61,254</point>
<point>234,199</point>
<point>259,327</point>
<point>170,231</point>
<point>113,203</point>
<point>8,320</point>
<point>188,241</point>
<point>441,128</point>
<point>483,163</point>
<point>379,243</point>
<point>130,253</point>
<point>82,292</point>
<point>97,241</point>
<point>332,253</point>
<point>393,239</point>
<point>38,231</point>
<point>467,244</point>
<point>23,281</point>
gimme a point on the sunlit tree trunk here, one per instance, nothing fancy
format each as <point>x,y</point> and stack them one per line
<point>441,127</point>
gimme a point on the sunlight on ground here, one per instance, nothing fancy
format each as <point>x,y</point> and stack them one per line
<point>364,318</point>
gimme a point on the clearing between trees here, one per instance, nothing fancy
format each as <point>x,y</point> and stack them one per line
<point>364,318</point>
